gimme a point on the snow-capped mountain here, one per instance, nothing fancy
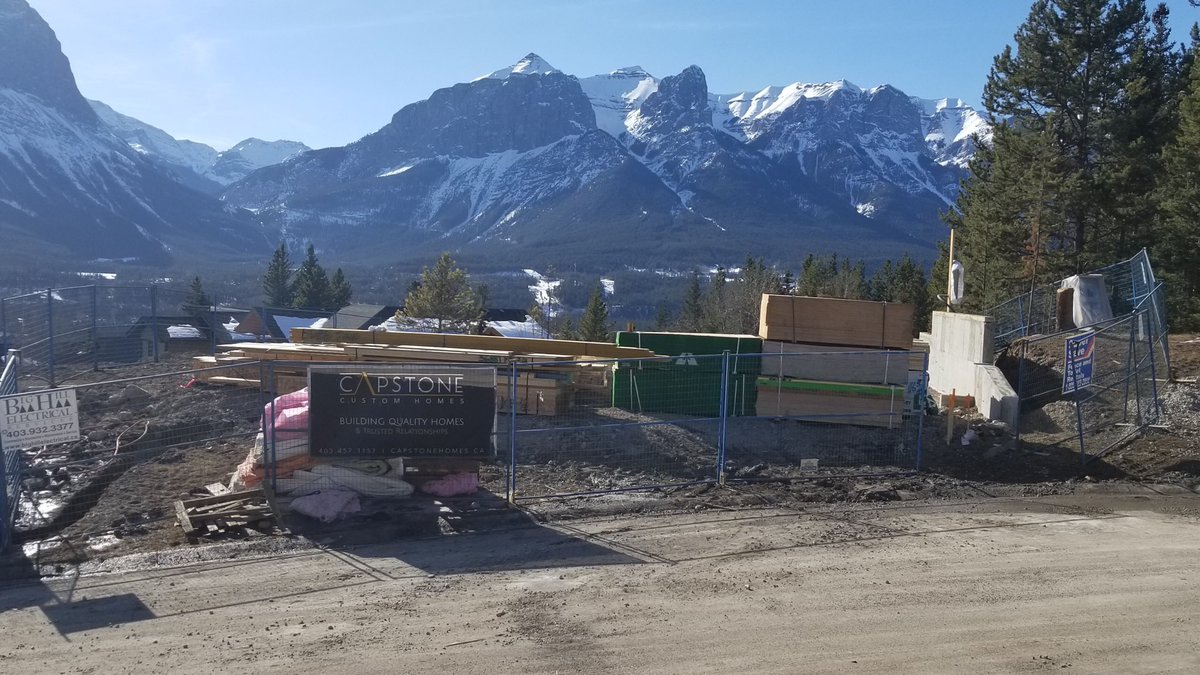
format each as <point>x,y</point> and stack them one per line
<point>195,164</point>
<point>528,160</point>
<point>69,187</point>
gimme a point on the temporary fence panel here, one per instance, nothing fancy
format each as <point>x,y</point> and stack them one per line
<point>10,458</point>
<point>1131,286</point>
<point>688,418</point>
<point>1088,390</point>
<point>870,425</point>
<point>66,331</point>
<point>368,432</point>
<point>655,422</point>
<point>142,444</point>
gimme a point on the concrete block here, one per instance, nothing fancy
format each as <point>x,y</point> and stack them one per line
<point>994,396</point>
<point>959,342</point>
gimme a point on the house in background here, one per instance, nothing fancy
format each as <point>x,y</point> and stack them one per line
<point>275,324</point>
<point>361,316</point>
<point>513,323</point>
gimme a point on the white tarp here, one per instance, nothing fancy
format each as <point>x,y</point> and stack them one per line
<point>1091,305</point>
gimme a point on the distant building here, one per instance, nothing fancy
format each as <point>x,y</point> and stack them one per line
<point>275,324</point>
<point>361,316</point>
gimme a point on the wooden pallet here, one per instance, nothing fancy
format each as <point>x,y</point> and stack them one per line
<point>225,514</point>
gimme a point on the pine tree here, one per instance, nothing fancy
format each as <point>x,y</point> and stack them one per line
<point>445,294</point>
<point>716,304</point>
<point>691,315</point>
<point>593,326</point>
<point>1077,115</point>
<point>340,291</point>
<point>277,285</point>
<point>311,287</point>
<point>662,318</point>
<point>566,329</point>
<point>197,299</point>
<point>1175,253</point>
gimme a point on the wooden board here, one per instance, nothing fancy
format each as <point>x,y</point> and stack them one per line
<point>834,321</point>
<point>313,336</point>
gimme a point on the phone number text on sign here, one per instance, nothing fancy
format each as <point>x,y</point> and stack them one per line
<point>39,418</point>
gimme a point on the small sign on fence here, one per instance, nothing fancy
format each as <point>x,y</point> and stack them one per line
<point>443,412</point>
<point>38,418</point>
<point>1080,358</point>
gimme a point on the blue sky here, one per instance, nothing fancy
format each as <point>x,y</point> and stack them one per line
<point>327,73</point>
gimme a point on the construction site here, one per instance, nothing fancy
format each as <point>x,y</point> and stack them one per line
<point>530,472</point>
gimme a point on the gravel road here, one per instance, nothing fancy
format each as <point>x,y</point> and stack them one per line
<point>1084,582</point>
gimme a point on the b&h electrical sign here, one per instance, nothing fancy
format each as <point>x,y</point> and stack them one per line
<point>431,412</point>
<point>39,418</point>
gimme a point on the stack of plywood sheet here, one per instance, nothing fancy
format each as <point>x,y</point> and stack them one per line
<point>836,322</point>
<point>832,402</point>
<point>828,356</point>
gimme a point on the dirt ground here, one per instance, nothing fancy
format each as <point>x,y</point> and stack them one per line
<point>1095,582</point>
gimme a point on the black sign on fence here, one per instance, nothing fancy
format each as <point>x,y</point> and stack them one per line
<point>401,411</point>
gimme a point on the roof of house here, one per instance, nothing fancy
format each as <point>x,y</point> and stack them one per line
<point>517,329</point>
<point>358,316</point>
<point>278,322</point>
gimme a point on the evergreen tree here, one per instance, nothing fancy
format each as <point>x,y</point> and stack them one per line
<point>311,287</point>
<point>277,284</point>
<point>340,291</point>
<point>691,315</point>
<point>197,299</point>
<point>1175,253</point>
<point>716,304</point>
<point>566,329</point>
<point>662,318</point>
<point>593,326</point>
<point>1077,110</point>
<point>445,294</point>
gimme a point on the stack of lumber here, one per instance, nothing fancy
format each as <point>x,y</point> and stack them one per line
<point>550,370</point>
<point>829,356</point>
<point>836,322</point>
<point>832,402</point>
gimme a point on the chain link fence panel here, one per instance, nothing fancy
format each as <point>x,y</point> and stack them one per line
<point>144,443</point>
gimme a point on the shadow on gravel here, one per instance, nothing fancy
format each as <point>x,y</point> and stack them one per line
<point>480,533</point>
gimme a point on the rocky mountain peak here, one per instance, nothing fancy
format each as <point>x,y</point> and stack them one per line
<point>532,64</point>
<point>681,101</point>
<point>32,62</point>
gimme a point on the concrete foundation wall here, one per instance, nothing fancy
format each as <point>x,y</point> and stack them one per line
<point>959,342</point>
<point>994,396</point>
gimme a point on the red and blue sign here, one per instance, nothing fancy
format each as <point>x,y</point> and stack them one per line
<point>1080,360</point>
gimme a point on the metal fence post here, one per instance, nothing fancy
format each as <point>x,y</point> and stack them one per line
<point>1131,368</point>
<point>95,334</point>
<point>50,331</point>
<point>921,410</point>
<point>723,425</point>
<point>269,432</point>
<point>1153,376</point>
<point>154,319</point>
<point>512,434</point>
<point>5,523</point>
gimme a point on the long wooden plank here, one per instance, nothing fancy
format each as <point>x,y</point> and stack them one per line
<point>522,345</point>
